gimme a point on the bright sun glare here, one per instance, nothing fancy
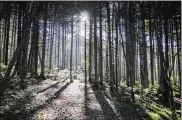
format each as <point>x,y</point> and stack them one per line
<point>84,16</point>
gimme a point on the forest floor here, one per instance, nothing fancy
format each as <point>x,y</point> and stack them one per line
<point>57,99</point>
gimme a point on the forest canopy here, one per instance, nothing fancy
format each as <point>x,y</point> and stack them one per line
<point>130,46</point>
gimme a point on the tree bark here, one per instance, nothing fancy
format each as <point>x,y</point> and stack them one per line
<point>42,74</point>
<point>71,55</point>
<point>110,49</point>
<point>100,50</point>
<point>95,49</point>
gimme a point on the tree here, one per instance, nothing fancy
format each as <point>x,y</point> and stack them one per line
<point>6,37</point>
<point>20,47</point>
<point>116,50</point>
<point>95,47</point>
<point>63,49</point>
<point>110,49</point>
<point>85,53</point>
<point>143,54</point>
<point>90,50</point>
<point>71,55</point>
<point>100,50</point>
<point>42,75</point>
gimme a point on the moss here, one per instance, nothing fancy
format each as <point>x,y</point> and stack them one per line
<point>154,90</point>
<point>3,68</point>
<point>164,113</point>
<point>138,85</point>
<point>175,87</point>
<point>154,116</point>
<point>176,94</point>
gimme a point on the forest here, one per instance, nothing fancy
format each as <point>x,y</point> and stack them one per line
<point>90,60</point>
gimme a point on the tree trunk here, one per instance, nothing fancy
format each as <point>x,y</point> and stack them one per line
<point>71,55</point>
<point>42,74</point>
<point>151,51</point>
<point>178,51</point>
<point>110,49</point>
<point>95,49</point>
<point>63,57</point>
<point>116,50</point>
<point>143,54</point>
<point>90,51</point>
<point>7,23</point>
<point>85,54</point>
<point>59,39</point>
<point>100,50</point>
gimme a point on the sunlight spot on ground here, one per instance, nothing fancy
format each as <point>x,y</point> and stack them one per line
<point>76,81</point>
<point>41,116</point>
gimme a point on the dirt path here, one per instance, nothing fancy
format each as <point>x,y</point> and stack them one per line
<point>55,100</point>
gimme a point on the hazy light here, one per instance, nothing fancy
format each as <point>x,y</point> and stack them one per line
<point>84,15</point>
<point>83,18</point>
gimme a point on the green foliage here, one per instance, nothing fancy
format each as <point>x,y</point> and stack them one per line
<point>154,116</point>
<point>3,69</point>
<point>176,93</point>
<point>175,86</point>
<point>123,86</point>
<point>160,113</point>
<point>132,110</point>
<point>155,89</point>
<point>138,85</point>
<point>87,63</point>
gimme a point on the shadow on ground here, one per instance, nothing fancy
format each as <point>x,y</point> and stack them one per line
<point>122,110</point>
<point>54,85</point>
<point>19,111</point>
<point>105,112</point>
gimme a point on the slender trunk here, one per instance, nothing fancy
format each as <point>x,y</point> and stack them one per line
<point>100,51</point>
<point>151,52</point>
<point>178,51</point>
<point>116,51</point>
<point>71,55</point>
<point>110,49</point>
<point>143,54</point>
<point>12,36</point>
<point>85,54</point>
<point>59,35</point>
<point>17,68</point>
<point>107,63</point>
<point>36,41</point>
<point>7,21</point>
<point>90,51</point>
<point>63,57</point>
<point>42,74</point>
<point>95,48</point>
<point>76,45</point>
<point>51,45</point>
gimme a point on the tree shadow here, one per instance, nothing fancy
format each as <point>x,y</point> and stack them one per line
<point>125,109</point>
<point>130,110</point>
<point>36,81</point>
<point>106,113</point>
<point>17,108</point>
<point>54,85</point>
<point>25,114</point>
<point>48,101</point>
